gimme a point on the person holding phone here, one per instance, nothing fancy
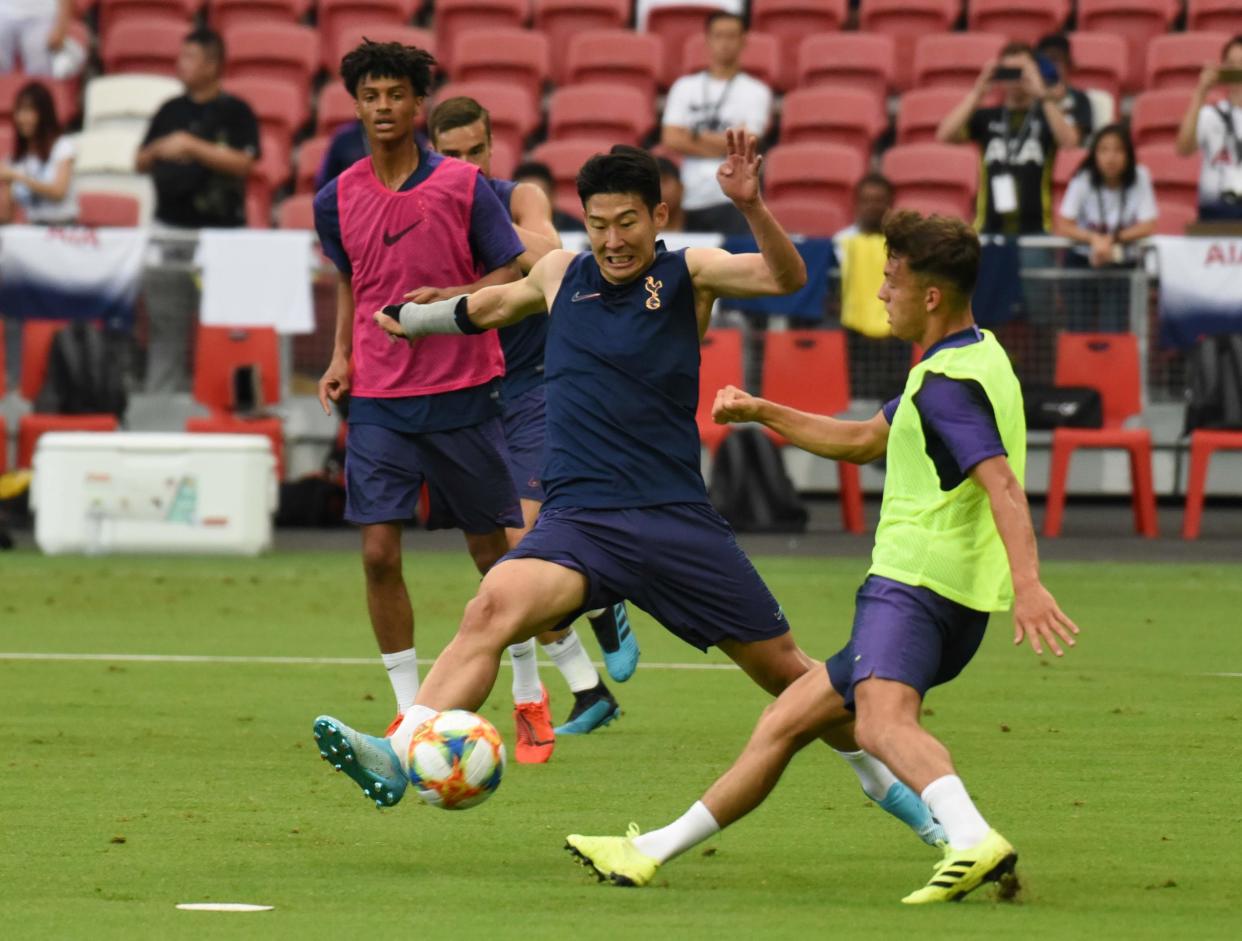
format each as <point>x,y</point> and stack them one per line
<point>1216,132</point>
<point>1019,139</point>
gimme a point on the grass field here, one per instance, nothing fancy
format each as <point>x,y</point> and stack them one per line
<point>128,787</point>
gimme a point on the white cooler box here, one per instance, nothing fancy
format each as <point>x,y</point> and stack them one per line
<point>126,492</point>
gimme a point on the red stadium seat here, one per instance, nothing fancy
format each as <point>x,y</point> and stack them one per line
<point>37,337</point>
<point>514,111</point>
<point>139,46</point>
<point>1064,166</point>
<point>6,138</point>
<point>504,160</point>
<point>1203,443</point>
<point>947,173</point>
<point>1137,21</point>
<point>281,107</point>
<point>674,25</point>
<point>1173,218</point>
<point>297,212</point>
<point>788,21</point>
<point>761,58</point>
<point>270,428</point>
<point>561,20</point>
<point>1175,178</point>
<point>1176,60</point>
<point>310,159</point>
<point>906,21</point>
<point>720,365</point>
<point>619,57</point>
<point>218,351</point>
<point>1221,15</point>
<point>1156,116</point>
<point>812,218</point>
<point>454,17</point>
<point>1108,363</point>
<point>113,13</point>
<point>850,60</point>
<point>223,15</point>
<point>954,60</point>
<point>107,209</point>
<point>273,167</point>
<point>1101,60</point>
<point>813,171</point>
<point>33,427</point>
<point>352,33</point>
<point>516,57</point>
<point>598,111</point>
<point>790,359</point>
<point>833,116</point>
<point>335,107</point>
<point>565,158</point>
<point>337,17</point>
<point>1022,20</point>
<point>278,50</point>
<point>920,112</point>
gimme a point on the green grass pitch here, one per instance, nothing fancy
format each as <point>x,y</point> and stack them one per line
<point>128,787</point>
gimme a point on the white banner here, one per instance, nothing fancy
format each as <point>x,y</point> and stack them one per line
<point>1200,287</point>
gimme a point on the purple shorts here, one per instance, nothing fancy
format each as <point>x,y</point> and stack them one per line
<point>523,418</point>
<point>679,562</point>
<point>905,633</point>
<point>466,471</point>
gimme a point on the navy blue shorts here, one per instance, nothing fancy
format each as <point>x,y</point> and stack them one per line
<point>466,470</point>
<point>523,417</point>
<point>908,634</point>
<point>680,563</point>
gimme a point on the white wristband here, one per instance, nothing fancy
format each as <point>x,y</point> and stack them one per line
<point>420,320</point>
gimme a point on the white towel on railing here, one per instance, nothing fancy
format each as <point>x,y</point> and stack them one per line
<point>255,278</point>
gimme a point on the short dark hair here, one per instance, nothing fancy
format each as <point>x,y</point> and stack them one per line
<point>715,15</point>
<point>937,247</point>
<point>387,60</point>
<point>667,167</point>
<point>211,42</point>
<point>533,168</point>
<point>453,113</point>
<point>623,169</point>
<point>874,179</point>
<point>1235,41</point>
<point>1017,48</point>
<point>1091,165</point>
<point>1055,42</point>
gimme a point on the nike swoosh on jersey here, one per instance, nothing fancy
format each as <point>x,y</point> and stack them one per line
<point>391,239</point>
<point>579,296</point>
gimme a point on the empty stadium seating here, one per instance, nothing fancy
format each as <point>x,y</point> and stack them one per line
<point>335,107</point>
<point>673,25</point>
<point>564,158</point>
<point>921,111</point>
<point>812,218</point>
<point>1175,178</point>
<point>616,56</point>
<point>945,173</point>
<point>854,60</point>
<point>513,56</point>
<point>114,13</point>
<point>1023,20</point>
<point>276,50</point>
<point>835,116</point>
<point>954,60</point>
<point>1100,60</point>
<point>1156,115</point>
<point>107,209</point>
<point>1137,21</point>
<point>761,58</point>
<point>127,100</point>
<point>1222,15</point>
<point>906,21</point>
<point>1064,166</point>
<point>813,171</point>
<point>597,111</point>
<point>297,212</point>
<point>142,46</point>
<point>561,20</point>
<point>223,15</point>
<point>454,17</point>
<point>310,159</point>
<point>788,21</point>
<point>352,32</point>
<point>1176,60</point>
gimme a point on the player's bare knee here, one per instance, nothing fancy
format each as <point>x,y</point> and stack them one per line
<point>488,621</point>
<point>381,560</point>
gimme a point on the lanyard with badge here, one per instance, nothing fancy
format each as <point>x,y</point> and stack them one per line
<point>1004,186</point>
<point>1231,189</point>
<point>1121,212</point>
<point>712,122</point>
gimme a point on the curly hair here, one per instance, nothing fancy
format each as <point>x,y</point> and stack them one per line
<point>938,248</point>
<point>388,60</point>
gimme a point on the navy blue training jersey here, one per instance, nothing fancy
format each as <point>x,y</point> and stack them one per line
<point>522,342</point>
<point>622,388</point>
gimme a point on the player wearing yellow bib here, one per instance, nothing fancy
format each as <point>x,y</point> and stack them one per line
<point>954,543</point>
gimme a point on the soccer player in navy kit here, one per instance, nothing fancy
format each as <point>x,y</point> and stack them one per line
<point>627,513</point>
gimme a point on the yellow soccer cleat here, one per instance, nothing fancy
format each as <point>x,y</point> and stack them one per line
<point>963,871</point>
<point>615,859</point>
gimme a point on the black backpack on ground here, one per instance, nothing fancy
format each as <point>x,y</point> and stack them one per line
<point>1214,384</point>
<point>750,487</point>
<point>85,373</point>
<point>1048,407</point>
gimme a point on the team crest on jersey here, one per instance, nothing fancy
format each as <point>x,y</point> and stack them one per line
<point>653,287</point>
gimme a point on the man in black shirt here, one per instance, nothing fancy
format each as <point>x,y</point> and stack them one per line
<point>1075,104</point>
<point>199,149</point>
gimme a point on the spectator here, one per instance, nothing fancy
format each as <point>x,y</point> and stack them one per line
<point>538,173</point>
<point>1216,131</point>
<point>348,146</point>
<point>873,197</point>
<point>671,193</point>
<point>33,30</point>
<point>1054,49</point>
<point>40,178</point>
<point>1019,140</point>
<point>697,112</point>
<point>199,148</point>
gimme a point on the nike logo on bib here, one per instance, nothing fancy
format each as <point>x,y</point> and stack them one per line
<point>579,296</point>
<point>391,239</point>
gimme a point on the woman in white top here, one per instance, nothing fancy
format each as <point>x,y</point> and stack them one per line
<point>1110,202</point>
<point>1216,132</point>
<point>40,177</point>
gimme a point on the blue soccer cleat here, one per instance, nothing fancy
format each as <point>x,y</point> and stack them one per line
<point>909,808</point>
<point>367,759</point>
<point>617,641</point>
<point>593,709</point>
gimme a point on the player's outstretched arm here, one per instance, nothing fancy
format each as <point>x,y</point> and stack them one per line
<point>1036,615</point>
<point>858,442</point>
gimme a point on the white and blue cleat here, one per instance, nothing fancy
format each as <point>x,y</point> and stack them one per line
<point>617,641</point>
<point>593,709</point>
<point>368,760</point>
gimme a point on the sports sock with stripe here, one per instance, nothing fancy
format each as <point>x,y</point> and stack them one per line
<point>402,668</point>
<point>526,686</point>
<point>571,659</point>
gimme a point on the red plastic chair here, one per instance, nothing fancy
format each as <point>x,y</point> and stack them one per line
<point>310,159</point>
<point>139,46</point>
<point>906,21</point>
<point>1157,115</point>
<point>270,428</point>
<point>297,212</point>
<point>811,218</point>
<point>1176,60</point>
<point>1204,443</point>
<point>833,116</point>
<point>454,17</point>
<point>809,370</point>
<point>720,365</point>
<point>673,25</point>
<point>849,60</point>
<point>598,111</point>
<point>920,112</point>
<point>1175,178</point>
<point>1174,217</point>
<point>1101,60</point>
<point>565,158</point>
<point>113,13</point>
<point>107,209</point>
<point>334,108</point>
<point>1109,363</point>
<point>826,172</point>
<point>33,427</point>
<point>226,14</point>
<point>954,60</point>
<point>947,173</point>
<point>1023,20</point>
<point>1064,166</point>
<point>561,20</point>
<point>510,56</point>
<point>1137,21</point>
<point>281,107</point>
<point>788,21</point>
<point>513,110</point>
<point>619,57</point>
<point>281,51</point>
<point>762,58</point>
<point>1222,15</point>
<point>504,160</point>
<point>37,337</point>
<point>220,350</point>
<point>336,17</point>
<point>352,32</point>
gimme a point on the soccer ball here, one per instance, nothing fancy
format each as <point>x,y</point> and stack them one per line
<point>456,760</point>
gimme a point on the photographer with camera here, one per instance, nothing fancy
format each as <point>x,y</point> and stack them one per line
<point>1216,131</point>
<point>698,110</point>
<point>1019,141</point>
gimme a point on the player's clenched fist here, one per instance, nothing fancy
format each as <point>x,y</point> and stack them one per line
<point>732,405</point>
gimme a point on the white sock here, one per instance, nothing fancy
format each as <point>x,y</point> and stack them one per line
<point>592,615</point>
<point>690,829</point>
<point>402,668</point>
<point>571,659</point>
<point>872,773</point>
<point>952,806</point>
<point>526,687</point>
<point>400,739</point>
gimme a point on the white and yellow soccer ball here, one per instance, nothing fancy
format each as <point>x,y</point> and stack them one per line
<point>456,760</point>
